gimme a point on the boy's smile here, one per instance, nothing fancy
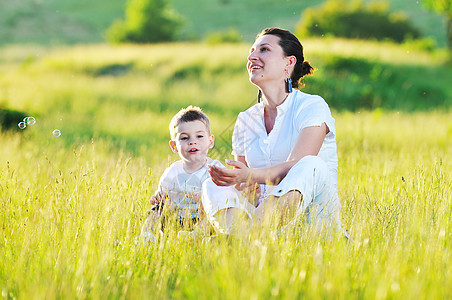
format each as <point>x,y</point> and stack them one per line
<point>192,143</point>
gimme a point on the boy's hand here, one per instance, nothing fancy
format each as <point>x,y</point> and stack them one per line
<point>157,198</point>
<point>196,196</point>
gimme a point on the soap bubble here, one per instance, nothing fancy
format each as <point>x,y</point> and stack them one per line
<point>30,120</point>
<point>22,125</point>
<point>56,133</point>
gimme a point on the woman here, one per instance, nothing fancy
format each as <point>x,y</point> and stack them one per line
<point>286,143</point>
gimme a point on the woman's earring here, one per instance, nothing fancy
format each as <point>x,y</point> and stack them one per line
<point>259,96</point>
<point>289,85</point>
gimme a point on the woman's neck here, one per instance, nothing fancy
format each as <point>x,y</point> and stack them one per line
<point>274,97</point>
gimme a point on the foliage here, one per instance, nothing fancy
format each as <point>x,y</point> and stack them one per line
<point>444,7</point>
<point>354,84</point>
<point>9,118</point>
<point>53,22</point>
<point>426,43</point>
<point>441,6</point>
<point>147,21</point>
<point>342,18</point>
<point>226,36</point>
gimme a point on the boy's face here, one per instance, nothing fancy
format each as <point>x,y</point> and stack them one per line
<point>192,142</point>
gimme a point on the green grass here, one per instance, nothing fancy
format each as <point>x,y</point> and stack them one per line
<point>69,215</point>
<point>53,22</point>
<point>71,207</point>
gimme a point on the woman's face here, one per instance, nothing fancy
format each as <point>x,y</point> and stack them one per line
<point>267,63</point>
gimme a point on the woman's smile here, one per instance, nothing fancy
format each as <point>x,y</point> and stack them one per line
<point>254,67</point>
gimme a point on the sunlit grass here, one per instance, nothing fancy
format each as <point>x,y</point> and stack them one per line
<point>72,206</point>
<point>70,214</point>
<point>386,52</point>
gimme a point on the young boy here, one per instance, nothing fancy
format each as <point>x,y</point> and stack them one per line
<point>179,188</point>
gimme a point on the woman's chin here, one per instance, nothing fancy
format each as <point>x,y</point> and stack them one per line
<point>254,81</point>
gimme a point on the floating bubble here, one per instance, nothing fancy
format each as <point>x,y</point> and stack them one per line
<point>22,125</point>
<point>56,133</point>
<point>30,120</point>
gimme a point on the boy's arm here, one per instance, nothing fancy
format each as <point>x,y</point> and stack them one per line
<point>162,191</point>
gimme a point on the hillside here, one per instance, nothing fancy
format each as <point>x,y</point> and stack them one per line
<point>126,94</point>
<point>51,22</point>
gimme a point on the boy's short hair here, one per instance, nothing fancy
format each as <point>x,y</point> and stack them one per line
<point>191,113</point>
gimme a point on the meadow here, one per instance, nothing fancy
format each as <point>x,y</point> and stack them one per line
<point>72,206</point>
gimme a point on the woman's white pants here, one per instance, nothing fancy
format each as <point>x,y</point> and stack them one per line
<point>310,176</point>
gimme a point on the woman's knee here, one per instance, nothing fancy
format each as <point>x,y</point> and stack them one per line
<point>309,167</point>
<point>215,198</point>
<point>312,161</point>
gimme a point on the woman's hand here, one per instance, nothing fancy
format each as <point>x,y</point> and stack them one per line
<point>224,177</point>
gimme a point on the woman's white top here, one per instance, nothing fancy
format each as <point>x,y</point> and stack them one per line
<point>177,183</point>
<point>298,111</point>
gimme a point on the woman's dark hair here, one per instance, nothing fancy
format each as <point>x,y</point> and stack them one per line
<point>291,47</point>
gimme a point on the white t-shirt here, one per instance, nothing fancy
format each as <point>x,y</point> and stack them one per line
<point>298,111</point>
<point>177,183</point>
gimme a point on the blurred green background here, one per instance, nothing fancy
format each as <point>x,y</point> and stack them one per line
<point>56,66</point>
<point>57,22</point>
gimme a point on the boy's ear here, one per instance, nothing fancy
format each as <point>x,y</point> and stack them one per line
<point>212,141</point>
<point>172,144</point>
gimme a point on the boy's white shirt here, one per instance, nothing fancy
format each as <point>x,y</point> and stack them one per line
<point>176,183</point>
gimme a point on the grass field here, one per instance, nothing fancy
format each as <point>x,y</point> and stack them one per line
<point>54,22</point>
<point>71,206</point>
<point>70,213</point>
